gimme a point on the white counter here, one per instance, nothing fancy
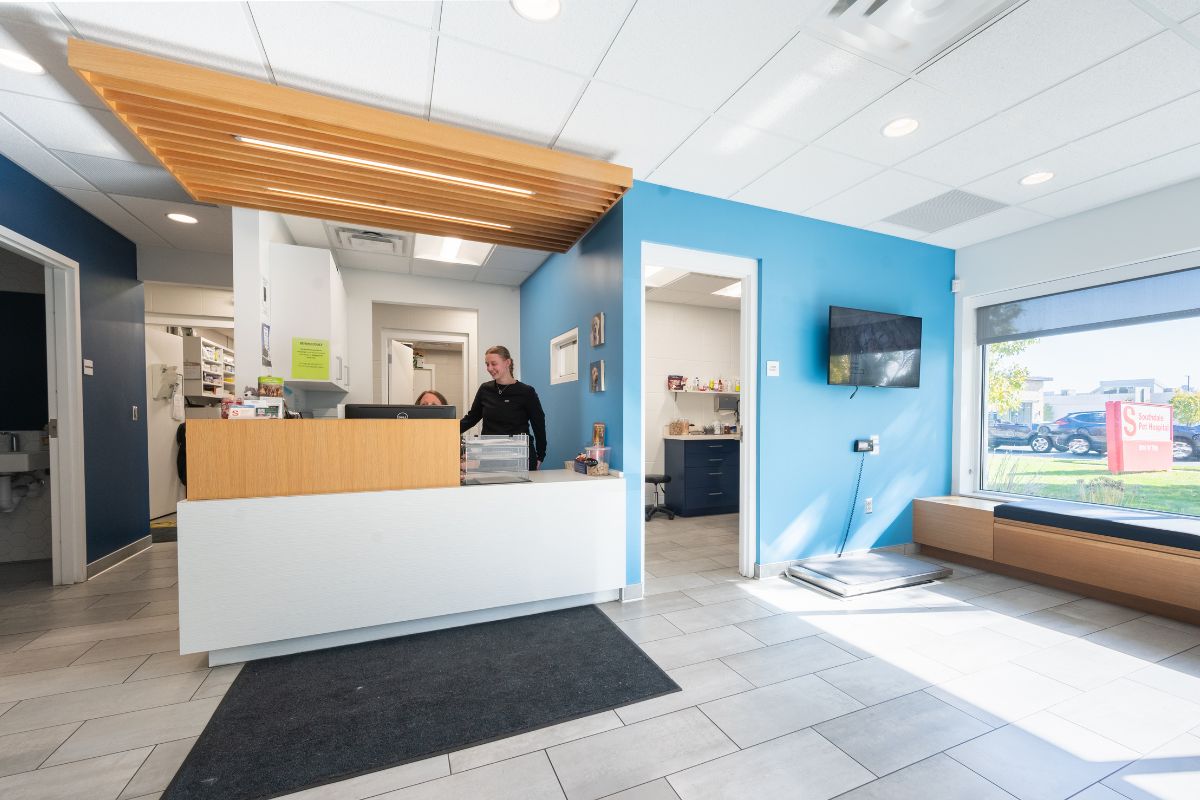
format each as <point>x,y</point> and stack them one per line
<point>705,436</point>
<point>266,576</point>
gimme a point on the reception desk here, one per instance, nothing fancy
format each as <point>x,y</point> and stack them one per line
<point>268,575</point>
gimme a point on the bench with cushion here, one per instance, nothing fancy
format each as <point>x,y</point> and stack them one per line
<point>1138,558</point>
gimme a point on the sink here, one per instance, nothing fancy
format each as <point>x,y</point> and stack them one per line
<point>24,462</point>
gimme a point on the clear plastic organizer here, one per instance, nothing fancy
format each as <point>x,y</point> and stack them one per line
<point>495,459</point>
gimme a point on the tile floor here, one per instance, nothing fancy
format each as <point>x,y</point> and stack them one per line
<point>977,687</point>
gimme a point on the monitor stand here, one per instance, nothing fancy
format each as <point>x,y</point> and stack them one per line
<point>864,573</point>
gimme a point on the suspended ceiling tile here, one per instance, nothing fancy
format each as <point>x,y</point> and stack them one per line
<point>1039,44</point>
<point>373,261</point>
<point>811,176</point>
<point>212,234</point>
<point>66,126</point>
<point>627,127</point>
<point>1068,166</point>
<point>363,57</point>
<point>40,14</point>
<point>1177,10</point>
<point>574,41</point>
<point>423,13</point>
<point>899,231</point>
<point>1163,171</point>
<point>441,269</point>
<point>501,94</point>
<point>114,176</point>
<point>501,277</point>
<point>1192,26</point>
<point>990,226</point>
<point>516,259</point>
<point>35,159</point>
<point>808,88</point>
<point>941,116</point>
<point>988,147</point>
<point>1155,133</point>
<point>1155,72</point>
<point>214,35</point>
<point>722,158</point>
<point>876,198</point>
<point>698,53</point>
<point>48,47</point>
<point>102,207</point>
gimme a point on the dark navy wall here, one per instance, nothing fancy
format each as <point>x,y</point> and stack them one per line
<point>23,321</point>
<point>806,469</point>
<point>564,294</point>
<point>112,313</point>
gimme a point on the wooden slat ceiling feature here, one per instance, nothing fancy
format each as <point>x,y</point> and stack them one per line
<point>242,142</point>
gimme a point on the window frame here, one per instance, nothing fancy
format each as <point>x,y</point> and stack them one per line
<point>559,342</point>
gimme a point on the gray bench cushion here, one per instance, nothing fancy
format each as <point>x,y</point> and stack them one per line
<point>1170,530</point>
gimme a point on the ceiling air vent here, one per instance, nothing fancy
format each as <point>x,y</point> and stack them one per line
<point>944,211</point>
<point>378,242</point>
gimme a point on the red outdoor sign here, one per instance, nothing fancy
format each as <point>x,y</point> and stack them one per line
<point>1139,436</point>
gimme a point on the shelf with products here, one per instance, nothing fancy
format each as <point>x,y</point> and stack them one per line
<point>713,392</point>
<point>207,368</point>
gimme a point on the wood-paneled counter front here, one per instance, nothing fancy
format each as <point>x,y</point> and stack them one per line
<point>958,524</point>
<point>229,459</point>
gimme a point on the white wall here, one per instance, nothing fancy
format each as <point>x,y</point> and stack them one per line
<point>392,316</point>
<point>449,377</point>
<point>499,316</point>
<point>253,233</point>
<point>693,341</point>
<point>1144,235</point>
<point>162,451</point>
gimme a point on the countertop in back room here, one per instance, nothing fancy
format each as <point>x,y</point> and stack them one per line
<point>690,436</point>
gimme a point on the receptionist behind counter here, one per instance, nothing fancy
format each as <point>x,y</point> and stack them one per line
<point>507,406</point>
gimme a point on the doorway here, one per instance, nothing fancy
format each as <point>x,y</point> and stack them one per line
<point>715,296</point>
<point>63,434</point>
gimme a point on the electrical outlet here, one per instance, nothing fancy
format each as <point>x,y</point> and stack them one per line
<point>875,444</point>
<point>869,505</point>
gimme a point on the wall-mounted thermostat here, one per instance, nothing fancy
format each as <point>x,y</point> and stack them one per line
<point>772,369</point>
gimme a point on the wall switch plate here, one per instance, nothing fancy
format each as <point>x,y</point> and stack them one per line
<point>88,368</point>
<point>772,369</point>
<point>133,413</point>
<point>875,444</point>
<point>869,505</point>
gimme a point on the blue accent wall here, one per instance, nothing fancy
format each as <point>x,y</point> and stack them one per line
<point>806,469</point>
<point>112,313</point>
<point>563,294</point>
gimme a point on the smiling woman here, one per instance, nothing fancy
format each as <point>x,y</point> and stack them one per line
<point>508,407</point>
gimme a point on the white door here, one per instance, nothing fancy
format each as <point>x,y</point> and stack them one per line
<point>161,424</point>
<point>400,374</point>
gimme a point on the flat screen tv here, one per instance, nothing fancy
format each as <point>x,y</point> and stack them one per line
<point>870,348</point>
<point>366,411</point>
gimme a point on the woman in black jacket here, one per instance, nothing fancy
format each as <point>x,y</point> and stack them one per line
<point>507,406</point>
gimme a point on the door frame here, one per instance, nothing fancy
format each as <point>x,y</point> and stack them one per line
<point>388,334</point>
<point>64,379</point>
<point>737,268</point>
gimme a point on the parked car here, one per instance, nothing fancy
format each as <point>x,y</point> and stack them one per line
<point>1087,431</point>
<point>1016,434</point>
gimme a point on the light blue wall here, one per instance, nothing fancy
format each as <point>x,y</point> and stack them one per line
<point>806,469</point>
<point>564,294</point>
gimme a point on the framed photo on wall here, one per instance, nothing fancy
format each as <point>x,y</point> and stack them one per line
<point>597,329</point>
<point>596,373</point>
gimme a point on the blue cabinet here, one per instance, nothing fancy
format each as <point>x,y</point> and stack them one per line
<point>704,476</point>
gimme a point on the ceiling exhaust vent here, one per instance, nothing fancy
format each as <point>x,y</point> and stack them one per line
<point>378,242</point>
<point>944,211</point>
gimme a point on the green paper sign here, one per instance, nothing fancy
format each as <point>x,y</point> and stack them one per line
<point>310,359</point>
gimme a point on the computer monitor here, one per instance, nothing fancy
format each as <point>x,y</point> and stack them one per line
<point>364,411</point>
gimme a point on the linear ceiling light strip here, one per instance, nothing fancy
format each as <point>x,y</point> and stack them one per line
<point>381,165</point>
<point>412,212</point>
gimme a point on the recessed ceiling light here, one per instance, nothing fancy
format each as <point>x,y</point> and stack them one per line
<point>184,218</point>
<point>732,290</point>
<point>450,250</point>
<point>20,62</point>
<point>411,212</point>
<point>537,10</point>
<point>1033,179</point>
<point>900,127</point>
<point>383,165</point>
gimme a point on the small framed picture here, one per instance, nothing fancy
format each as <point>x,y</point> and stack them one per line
<point>598,329</point>
<point>596,373</point>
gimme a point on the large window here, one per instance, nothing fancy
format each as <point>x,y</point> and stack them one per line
<point>1054,365</point>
